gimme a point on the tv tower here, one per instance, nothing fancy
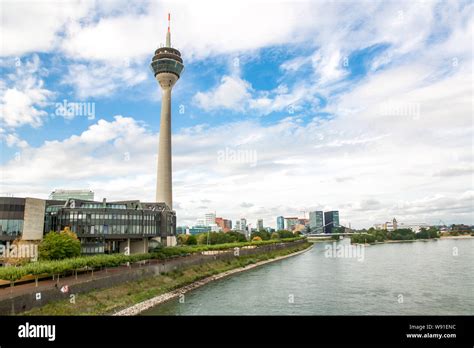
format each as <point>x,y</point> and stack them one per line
<point>167,66</point>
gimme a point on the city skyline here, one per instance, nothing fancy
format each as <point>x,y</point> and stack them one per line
<point>250,138</point>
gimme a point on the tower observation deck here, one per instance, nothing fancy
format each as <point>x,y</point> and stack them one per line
<point>167,59</point>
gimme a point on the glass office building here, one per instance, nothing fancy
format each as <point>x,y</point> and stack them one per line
<point>280,223</point>
<point>102,227</point>
<point>331,219</point>
<point>316,221</point>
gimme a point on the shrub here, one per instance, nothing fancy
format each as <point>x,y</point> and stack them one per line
<point>264,235</point>
<point>57,246</point>
<point>191,240</point>
<point>50,267</point>
<point>285,234</point>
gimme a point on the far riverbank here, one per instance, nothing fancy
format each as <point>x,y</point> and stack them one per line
<point>417,240</point>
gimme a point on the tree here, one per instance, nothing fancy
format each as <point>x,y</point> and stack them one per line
<point>433,232</point>
<point>191,240</point>
<point>275,235</point>
<point>402,234</point>
<point>182,238</point>
<point>423,234</point>
<point>285,234</point>
<point>237,236</point>
<point>264,235</point>
<point>201,238</point>
<point>57,246</point>
<point>256,239</point>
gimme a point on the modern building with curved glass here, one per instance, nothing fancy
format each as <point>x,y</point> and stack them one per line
<point>102,227</point>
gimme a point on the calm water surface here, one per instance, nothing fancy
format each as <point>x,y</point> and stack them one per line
<point>424,276</point>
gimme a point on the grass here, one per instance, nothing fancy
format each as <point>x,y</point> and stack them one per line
<point>109,300</point>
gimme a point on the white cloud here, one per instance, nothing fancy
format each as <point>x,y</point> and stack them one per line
<point>386,174</point>
<point>231,93</point>
<point>23,95</point>
<point>130,36</point>
<point>98,80</point>
<point>34,26</point>
<point>12,140</point>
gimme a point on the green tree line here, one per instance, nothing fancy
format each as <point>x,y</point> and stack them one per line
<point>372,235</point>
<point>52,267</point>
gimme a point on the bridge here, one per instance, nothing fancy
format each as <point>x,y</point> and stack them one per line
<point>316,236</point>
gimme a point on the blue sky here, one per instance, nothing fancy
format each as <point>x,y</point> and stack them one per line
<point>359,106</point>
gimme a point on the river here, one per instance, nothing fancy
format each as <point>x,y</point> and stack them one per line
<point>417,278</point>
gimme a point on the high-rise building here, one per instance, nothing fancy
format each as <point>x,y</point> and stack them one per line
<point>391,225</point>
<point>316,221</point>
<point>209,219</point>
<point>259,224</point>
<point>167,66</point>
<point>291,222</point>
<point>331,219</point>
<point>280,223</point>
<point>224,224</point>
<point>237,225</point>
<point>243,224</point>
<point>64,195</point>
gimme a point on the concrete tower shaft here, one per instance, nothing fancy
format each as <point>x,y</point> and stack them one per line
<point>164,190</point>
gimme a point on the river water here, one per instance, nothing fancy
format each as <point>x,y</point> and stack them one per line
<point>418,278</point>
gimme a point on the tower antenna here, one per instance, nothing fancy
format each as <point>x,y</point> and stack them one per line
<point>168,34</point>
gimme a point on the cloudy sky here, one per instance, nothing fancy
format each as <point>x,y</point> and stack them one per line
<point>284,106</point>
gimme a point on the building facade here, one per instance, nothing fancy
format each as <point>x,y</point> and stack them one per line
<point>243,224</point>
<point>280,223</point>
<point>225,225</point>
<point>316,221</point>
<point>331,219</point>
<point>259,224</point>
<point>291,222</point>
<point>102,227</point>
<point>209,219</point>
<point>64,195</point>
<point>199,229</point>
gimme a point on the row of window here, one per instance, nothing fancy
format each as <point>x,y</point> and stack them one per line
<point>114,229</point>
<point>99,205</point>
<point>12,207</point>
<point>11,227</point>
<point>93,249</point>
<point>74,216</point>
